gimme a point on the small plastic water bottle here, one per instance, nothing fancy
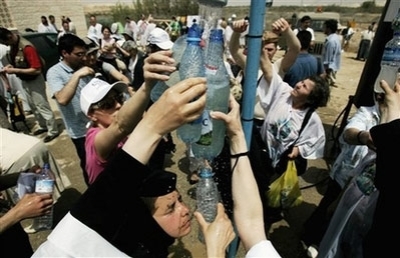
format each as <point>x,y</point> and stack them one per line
<point>44,185</point>
<point>207,197</point>
<point>390,63</point>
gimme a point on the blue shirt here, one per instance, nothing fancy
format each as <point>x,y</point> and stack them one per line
<point>332,52</point>
<point>74,119</point>
<point>305,66</point>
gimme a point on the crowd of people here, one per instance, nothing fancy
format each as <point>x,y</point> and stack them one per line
<point>102,86</point>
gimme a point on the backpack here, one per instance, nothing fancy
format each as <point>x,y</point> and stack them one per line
<point>21,62</point>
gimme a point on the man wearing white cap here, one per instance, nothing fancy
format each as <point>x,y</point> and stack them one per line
<point>158,40</point>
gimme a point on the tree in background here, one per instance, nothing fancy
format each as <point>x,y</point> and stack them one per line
<point>159,9</point>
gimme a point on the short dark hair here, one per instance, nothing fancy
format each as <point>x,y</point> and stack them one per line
<point>320,95</point>
<point>68,42</point>
<point>51,16</point>
<point>4,34</point>
<point>43,17</point>
<point>332,25</point>
<point>304,37</point>
<point>305,18</point>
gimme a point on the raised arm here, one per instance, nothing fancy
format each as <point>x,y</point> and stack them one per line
<point>248,213</point>
<point>282,27</point>
<point>132,111</point>
<point>237,53</point>
<point>173,109</point>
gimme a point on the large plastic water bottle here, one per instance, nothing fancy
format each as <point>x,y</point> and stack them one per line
<point>191,65</point>
<point>44,185</point>
<point>390,62</point>
<point>161,86</point>
<point>212,136</point>
<point>207,197</point>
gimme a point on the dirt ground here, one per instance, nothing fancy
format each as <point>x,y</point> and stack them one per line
<point>284,234</point>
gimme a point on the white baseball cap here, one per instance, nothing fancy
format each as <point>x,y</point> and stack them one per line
<point>95,91</point>
<point>160,38</point>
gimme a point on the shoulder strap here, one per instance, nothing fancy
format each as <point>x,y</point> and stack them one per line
<point>306,119</point>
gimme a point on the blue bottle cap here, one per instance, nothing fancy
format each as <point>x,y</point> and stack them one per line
<point>216,35</point>
<point>194,33</point>
<point>206,172</point>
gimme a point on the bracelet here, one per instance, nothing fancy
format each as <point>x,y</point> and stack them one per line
<point>358,137</point>
<point>241,154</point>
<point>237,156</point>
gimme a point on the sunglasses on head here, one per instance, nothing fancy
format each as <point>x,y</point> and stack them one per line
<point>109,101</point>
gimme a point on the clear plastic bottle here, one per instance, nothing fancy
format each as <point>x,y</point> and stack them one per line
<point>390,62</point>
<point>45,184</point>
<point>161,86</point>
<point>213,131</point>
<point>207,197</point>
<point>191,65</point>
<point>158,90</point>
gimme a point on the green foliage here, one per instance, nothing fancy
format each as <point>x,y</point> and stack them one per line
<point>159,9</point>
<point>369,6</point>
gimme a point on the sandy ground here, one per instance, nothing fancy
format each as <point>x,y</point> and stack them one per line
<point>284,234</point>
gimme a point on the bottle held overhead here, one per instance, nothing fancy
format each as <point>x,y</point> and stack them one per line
<point>212,136</point>
<point>191,65</point>
<point>390,63</point>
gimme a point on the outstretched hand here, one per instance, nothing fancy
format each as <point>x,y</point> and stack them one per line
<point>157,66</point>
<point>240,26</point>
<point>280,26</point>
<point>179,104</point>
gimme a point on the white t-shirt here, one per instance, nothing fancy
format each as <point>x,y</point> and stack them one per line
<point>262,249</point>
<point>281,127</point>
<point>295,31</point>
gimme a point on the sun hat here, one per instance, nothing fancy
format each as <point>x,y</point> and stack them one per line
<point>270,37</point>
<point>160,38</point>
<point>129,45</point>
<point>95,91</point>
<point>114,28</point>
<point>90,44</point>
<point>128,33</point>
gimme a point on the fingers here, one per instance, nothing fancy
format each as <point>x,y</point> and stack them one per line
<point>280,25</point>
<point>221,211</point>
<point>159,65</point>
<point>385,86</point>
<point>190,88</point>
<point>200,219</point>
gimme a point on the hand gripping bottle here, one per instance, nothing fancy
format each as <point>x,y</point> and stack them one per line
<point>191,65</point>
<point>44,184</point>
<point>390,62</point>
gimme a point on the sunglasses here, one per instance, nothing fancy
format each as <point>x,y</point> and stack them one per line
<point>109,101</point>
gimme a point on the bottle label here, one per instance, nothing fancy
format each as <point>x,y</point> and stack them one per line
<point>391,55</point>
<point>211,70</point>
<point>44,186</point>
<point>206,129</point>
